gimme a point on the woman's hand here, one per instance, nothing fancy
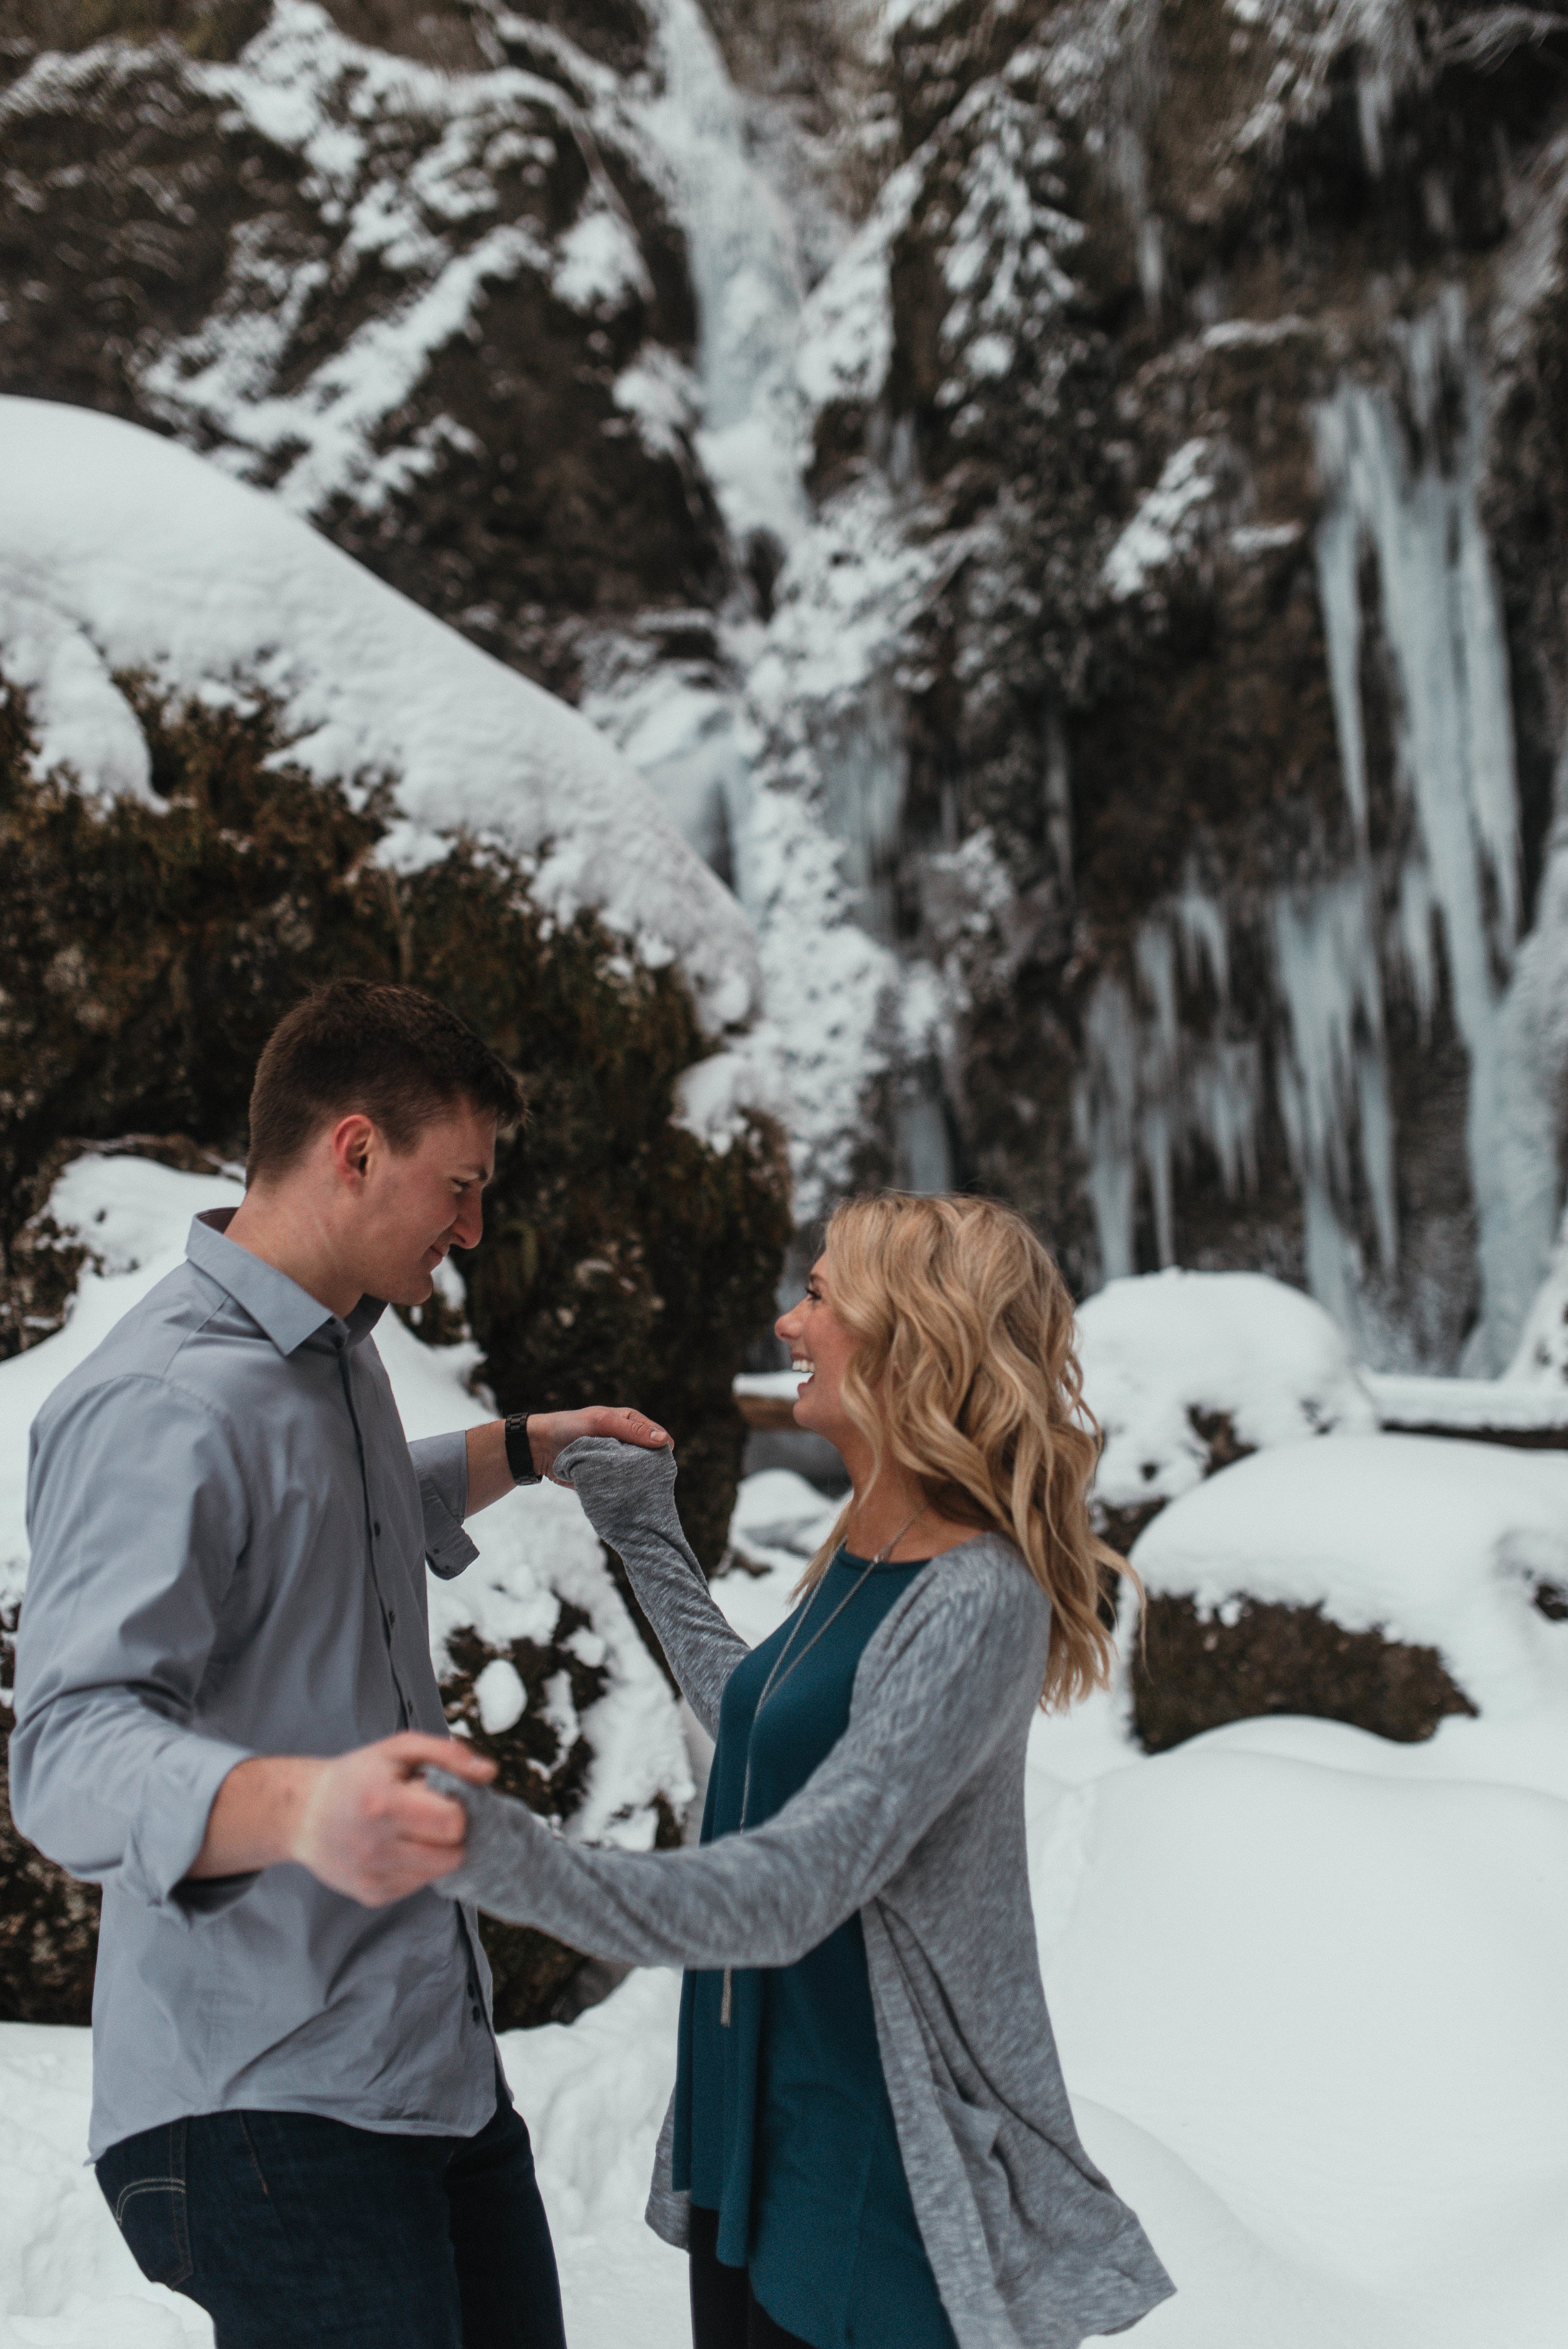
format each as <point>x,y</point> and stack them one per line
<point>549,1432</point>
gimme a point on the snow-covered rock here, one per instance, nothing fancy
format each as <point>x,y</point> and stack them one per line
<point>1185,1370</point>
<point>119,550</point>
<point>1457,1546</point>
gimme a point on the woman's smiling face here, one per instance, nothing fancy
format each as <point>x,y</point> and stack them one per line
<point>820,1346</point>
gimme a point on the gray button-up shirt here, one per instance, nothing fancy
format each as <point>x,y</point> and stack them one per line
<point>229,1537</point>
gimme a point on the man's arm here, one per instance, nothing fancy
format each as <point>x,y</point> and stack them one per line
<point>137,1516</point>
<point>548,1433</point>
<point>363,1823</point>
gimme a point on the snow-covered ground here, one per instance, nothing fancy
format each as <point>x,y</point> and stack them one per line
<point>1307,1991</point>
<point>1306,1983</point>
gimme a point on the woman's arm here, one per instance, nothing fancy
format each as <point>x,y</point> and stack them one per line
<point>967,1655</point>
<point>629,1497</point>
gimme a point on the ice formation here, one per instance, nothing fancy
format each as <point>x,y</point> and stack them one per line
<point>1440,616</point>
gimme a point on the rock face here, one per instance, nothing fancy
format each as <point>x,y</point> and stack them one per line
<point>1064,500</point>
<point>406,277</point>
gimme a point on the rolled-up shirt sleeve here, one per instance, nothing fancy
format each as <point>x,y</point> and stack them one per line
<point>442,1464</point>
<point>139,1522</point>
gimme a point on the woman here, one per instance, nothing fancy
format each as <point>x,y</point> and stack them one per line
<point>870,2142</point>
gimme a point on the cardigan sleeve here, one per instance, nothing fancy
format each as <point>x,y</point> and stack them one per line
<point>940,1693</point>
<point>629,1497</point>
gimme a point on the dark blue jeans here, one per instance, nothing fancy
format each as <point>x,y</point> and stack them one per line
<point>290,2230</point>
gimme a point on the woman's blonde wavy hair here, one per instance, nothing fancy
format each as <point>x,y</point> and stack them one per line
<point>965,1374</point>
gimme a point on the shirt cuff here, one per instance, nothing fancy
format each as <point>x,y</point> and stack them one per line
<point>171,1825</point>
<point>442,1464</point>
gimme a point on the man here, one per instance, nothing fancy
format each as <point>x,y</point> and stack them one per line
<point>225,1702</point>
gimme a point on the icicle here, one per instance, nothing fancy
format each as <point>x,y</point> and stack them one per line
<point>1201,930</point>
<point>1333,1077</point>
<point>1149,1090</point>
<point>1224,1089</point>
<point>1454,746</point>
<point>1105,1108</point>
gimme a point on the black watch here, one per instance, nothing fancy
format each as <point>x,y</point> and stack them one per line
<point>519,1451</point>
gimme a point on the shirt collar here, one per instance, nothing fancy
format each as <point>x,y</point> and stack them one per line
<point>280,1308</point>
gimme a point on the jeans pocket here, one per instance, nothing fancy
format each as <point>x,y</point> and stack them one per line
<point>143,2182</point>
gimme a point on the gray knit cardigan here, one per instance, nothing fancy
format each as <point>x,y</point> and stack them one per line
<point>916,1819</point>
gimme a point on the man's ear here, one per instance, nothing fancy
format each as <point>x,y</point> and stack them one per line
<point>351,1141</point>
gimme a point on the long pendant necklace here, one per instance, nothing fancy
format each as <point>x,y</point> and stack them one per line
<point>781,1673</point>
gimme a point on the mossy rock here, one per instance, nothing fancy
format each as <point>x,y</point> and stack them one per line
<point>1200,1670</point>
<point>148,950</point>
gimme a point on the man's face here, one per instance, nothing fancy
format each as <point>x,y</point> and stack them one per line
<point>416,1205</point>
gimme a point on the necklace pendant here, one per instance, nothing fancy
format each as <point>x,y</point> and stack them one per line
<point>724,2004</point>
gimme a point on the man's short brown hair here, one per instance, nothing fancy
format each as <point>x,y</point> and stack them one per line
<point>397,1056</point>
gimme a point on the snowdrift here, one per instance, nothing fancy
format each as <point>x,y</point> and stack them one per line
<point>1305,1980</point>
<point>120,550</point>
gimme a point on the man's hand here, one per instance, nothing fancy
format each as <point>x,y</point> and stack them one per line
<point>371,1827</point>
<point>549,1432</point>
<point>364,1823</point>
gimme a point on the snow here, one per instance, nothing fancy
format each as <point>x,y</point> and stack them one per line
<point>845,342</point>
<point>1305,1986</point>
<point>1158,1349</point>
<point>120,550</point>
<point>536,1548</point>
<point>1160,529</point>
<point>780,1520</point>
<point>1524,1402</point>
<point>405,159</point>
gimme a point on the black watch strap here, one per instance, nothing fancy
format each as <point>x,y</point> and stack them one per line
<point>519,1452</point>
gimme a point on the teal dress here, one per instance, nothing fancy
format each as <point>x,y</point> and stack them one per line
<point>782,2122</point>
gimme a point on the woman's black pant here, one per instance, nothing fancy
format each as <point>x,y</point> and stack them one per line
<point>724,2313</point>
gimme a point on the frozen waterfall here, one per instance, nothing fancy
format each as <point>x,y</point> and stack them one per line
<point>1450,911</point>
